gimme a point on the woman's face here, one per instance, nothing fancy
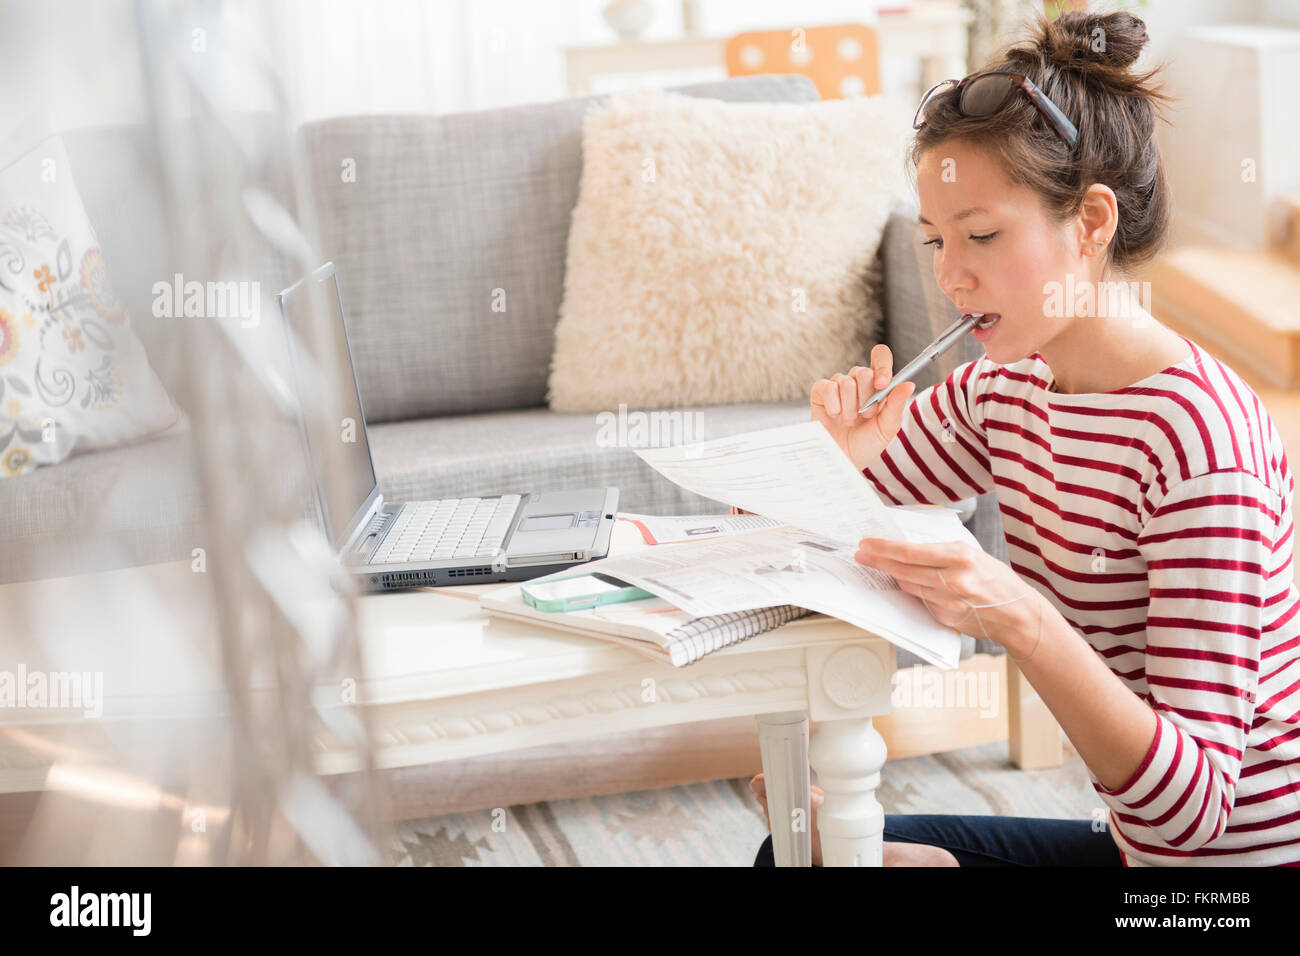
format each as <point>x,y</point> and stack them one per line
<point>994,247</point>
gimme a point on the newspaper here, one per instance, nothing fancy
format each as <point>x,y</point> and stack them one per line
<point>786,565</point>
<point>795,474</point>
<point>798,476</point>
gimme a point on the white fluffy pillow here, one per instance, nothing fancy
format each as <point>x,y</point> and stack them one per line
<point>723,252</point>
<point>73,376</point>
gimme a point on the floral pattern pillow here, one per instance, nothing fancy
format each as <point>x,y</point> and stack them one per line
<point>73,376</point>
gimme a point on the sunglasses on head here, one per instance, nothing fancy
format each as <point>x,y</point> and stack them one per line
<point>983,94</point>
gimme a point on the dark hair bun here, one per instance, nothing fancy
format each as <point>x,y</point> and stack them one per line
<point>1074,39</point>
<point>1083,62</point>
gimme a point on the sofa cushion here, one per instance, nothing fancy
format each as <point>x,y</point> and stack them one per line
<point>449,234</point>
<point>138,504</point>
<point>73,375</point>
<point>535,449</point>
<point>724,252</point>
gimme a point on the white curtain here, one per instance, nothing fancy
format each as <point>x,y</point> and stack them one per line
<point>346,57</point>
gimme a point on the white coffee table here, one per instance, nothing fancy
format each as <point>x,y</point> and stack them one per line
<point>443,681</point>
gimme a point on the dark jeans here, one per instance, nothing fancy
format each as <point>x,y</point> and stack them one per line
<point>996,841</point>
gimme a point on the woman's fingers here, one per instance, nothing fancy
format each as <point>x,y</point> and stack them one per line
<point>826,397</point>
<point>835,401</point>
<point>849,403</point>
<point>882,366</point>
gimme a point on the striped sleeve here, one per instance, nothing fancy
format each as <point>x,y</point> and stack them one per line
<point>1208,547</point>
<point>940,454</point>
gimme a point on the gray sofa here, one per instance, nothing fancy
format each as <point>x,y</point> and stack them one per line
<point>444,210</point>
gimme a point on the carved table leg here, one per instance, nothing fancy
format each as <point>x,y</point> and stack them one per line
<point>848,755</point>
<point>783,744</point>
<point>846,686</point>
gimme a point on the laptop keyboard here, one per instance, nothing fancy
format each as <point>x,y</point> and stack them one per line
<point>449,528</point>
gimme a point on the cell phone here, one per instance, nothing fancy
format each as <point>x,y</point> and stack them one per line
<point>579,592</point>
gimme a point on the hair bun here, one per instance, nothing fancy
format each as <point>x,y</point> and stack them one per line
<point>1074,38</point>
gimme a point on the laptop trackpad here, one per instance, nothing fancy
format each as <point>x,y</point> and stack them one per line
<point>546,523</point>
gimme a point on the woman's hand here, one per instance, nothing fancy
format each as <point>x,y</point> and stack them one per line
<point>969,576</point>
<point>835,403</point>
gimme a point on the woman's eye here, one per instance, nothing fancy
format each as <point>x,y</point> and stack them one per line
<point>938,243</point>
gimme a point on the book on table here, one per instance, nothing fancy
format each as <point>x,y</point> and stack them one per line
<point>652,626</point>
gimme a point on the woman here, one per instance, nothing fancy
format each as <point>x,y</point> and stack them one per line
<point>1144,490</point>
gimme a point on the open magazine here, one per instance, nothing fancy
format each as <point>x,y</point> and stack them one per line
<point>798,476</point>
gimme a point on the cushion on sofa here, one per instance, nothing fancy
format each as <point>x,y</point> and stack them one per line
<point>138,504</point>
<point>537,449</point>
<point>724,252</point>
<point>73,375</point>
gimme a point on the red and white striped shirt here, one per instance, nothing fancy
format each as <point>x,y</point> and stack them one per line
<point>1157,519</point>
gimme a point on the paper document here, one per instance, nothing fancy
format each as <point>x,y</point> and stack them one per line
<point>933,525</point>
<point>785,565</point>
<point>795,474</point>
<point>665,529</point>
<point>798,476</point>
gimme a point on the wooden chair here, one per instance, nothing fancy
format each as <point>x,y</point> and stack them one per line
<point>841,60</point>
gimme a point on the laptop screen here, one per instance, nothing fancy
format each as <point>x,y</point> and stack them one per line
<point>331,401</point>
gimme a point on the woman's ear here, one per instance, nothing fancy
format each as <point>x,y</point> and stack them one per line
<point>1097,220</point>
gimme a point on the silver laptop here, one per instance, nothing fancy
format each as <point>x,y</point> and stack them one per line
<point>389,545</point>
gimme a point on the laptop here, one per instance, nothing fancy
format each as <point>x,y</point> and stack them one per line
<point>388,545</point>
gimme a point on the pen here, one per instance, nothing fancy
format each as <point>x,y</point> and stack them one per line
<point>950,337</point>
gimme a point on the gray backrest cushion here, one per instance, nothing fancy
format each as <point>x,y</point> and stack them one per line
<point>449,217</point>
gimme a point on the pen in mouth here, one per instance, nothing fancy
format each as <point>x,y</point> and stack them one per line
<point>950,337</point>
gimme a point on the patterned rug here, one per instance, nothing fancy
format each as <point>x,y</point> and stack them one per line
<point>719,823</point>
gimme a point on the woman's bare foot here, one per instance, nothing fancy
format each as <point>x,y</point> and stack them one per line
<point>893,854</point>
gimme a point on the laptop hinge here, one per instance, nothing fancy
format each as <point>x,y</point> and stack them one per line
<point>374,521</point>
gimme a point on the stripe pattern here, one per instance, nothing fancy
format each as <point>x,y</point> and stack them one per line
<point>1157,520</point>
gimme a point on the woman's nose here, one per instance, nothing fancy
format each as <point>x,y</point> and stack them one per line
<point>954,280</point>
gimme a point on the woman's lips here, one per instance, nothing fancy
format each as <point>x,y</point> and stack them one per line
<point>983,331</point>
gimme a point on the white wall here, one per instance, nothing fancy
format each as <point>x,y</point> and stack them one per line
<point>65,63</point>
<point>76,62</point>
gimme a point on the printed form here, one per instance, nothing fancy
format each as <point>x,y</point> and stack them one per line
<point>795,474</point>
<point>798,476</point>
<point>785,565</point>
